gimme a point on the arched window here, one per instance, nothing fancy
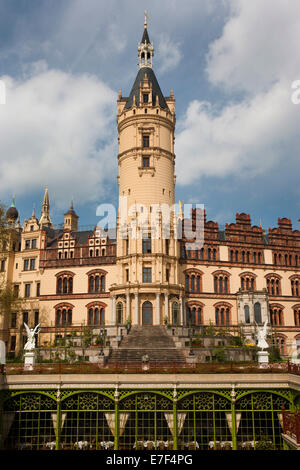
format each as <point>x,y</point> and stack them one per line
<point>193,280</point>
<point>221,282</point>
<point>222,315</point>
<point>248,281</point>
<point>295,283</point>
<point>247,313</point>
<point>297,315</point>
<point>64,283</point>
<point>194,314</point>
<point>63,315</point>
<point>257,312</point>
<point>175,313</point>
<point>273,284</point>
<point>276,315</point>
<point>119,311</point>
<point>96,314</point>
<point>96,281</point>
<point>147,313</point>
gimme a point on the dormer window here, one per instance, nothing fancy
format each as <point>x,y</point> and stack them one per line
<point>145,97</point>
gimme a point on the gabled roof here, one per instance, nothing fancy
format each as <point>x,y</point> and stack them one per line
<point>156,91</point>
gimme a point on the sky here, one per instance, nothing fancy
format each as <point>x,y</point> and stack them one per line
<point>231,63</point>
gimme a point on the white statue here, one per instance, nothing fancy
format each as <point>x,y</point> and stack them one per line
<point>261,336</point>
<point>31,332</point>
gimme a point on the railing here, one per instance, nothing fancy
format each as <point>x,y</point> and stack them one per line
<point>88,261</point>
<point>150,367</point>
<point>291,424</point>
<point>293,368</point>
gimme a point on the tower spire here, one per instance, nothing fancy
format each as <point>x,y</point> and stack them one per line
<point>45,219</point>
<point>145,48</point>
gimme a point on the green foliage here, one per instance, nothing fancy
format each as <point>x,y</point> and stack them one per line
<point>71,355</point>
<point>236,341</point>
<point>87,338</point>
<point>220,355</point>
<point>210,330</point>
<point>274,354</point>
<point>264,444</point>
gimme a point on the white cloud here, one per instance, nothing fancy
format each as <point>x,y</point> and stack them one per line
<point>259,45</point>
<point>169,54</point>
<point>257,54</point>
<point>57,129</point>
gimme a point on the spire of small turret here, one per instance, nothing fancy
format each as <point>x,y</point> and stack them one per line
<point>145,48</point>
<point>145,38</point>
<point>45,216</point>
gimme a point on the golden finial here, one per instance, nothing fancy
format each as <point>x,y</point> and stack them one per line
<point>146,17</point>
<point>180,205</point>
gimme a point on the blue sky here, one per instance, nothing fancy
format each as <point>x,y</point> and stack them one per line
<point>231,64</point>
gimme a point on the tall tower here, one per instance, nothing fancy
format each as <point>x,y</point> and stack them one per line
<point>148,260</point>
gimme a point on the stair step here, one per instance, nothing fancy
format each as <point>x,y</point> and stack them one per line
<point>151,340</point>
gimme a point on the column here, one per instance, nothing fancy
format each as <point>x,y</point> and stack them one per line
<point>127,305</point>
<point>116,444</point>
<point>175,436</point>
<point>167,306</point>
<point>136,309</point>
<point>181,312</point>
<point>233,424</point>
<point>58,422</point>
<point>157,308</point>
<point>113,309</point>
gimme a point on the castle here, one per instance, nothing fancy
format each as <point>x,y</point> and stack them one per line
<point>67,278</point>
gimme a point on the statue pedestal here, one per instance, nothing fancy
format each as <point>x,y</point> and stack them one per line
<point>29,360</point>
<point>263,358</point>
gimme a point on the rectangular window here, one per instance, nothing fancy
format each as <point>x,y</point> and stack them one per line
<point>167,246</point>
<point>145,97</point>
<point>32,264</point>
<point>12,343</point>
<point>38,289</point>
<point>127,246</point>
<point>167,275</point>
<point>145,141</point>
<point>25,318</point>
<point>36,318</point>
<point>16,290</point>
<point>127,274</point>
<point>27,290</point>
<point>2,265</point>
<point>27,244</point>
<point>146,162</point>
<point>33,243</point>
<point>26,264</point>
<point>147,275</point>
<point>13,323</point>
<point>146,245</point>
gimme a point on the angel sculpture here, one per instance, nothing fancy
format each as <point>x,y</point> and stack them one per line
<point>31,332</point>
<point>261,336</point>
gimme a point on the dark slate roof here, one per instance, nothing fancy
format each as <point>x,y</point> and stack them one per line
<point>145,37</point>
<point>83,237</point>
<point>156,91</point>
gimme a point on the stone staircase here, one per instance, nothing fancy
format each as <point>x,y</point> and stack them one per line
<point>151,340</point>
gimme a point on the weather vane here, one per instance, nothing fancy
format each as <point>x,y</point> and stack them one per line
<point>146,17</point>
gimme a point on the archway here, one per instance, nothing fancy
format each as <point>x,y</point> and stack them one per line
<point>147,313</point>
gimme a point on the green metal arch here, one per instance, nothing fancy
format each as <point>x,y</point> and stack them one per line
<point>216,392</point>
<point>274,392</point>
<point>129,393</point>
<point>98,392</point>
<point>14,394</point>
